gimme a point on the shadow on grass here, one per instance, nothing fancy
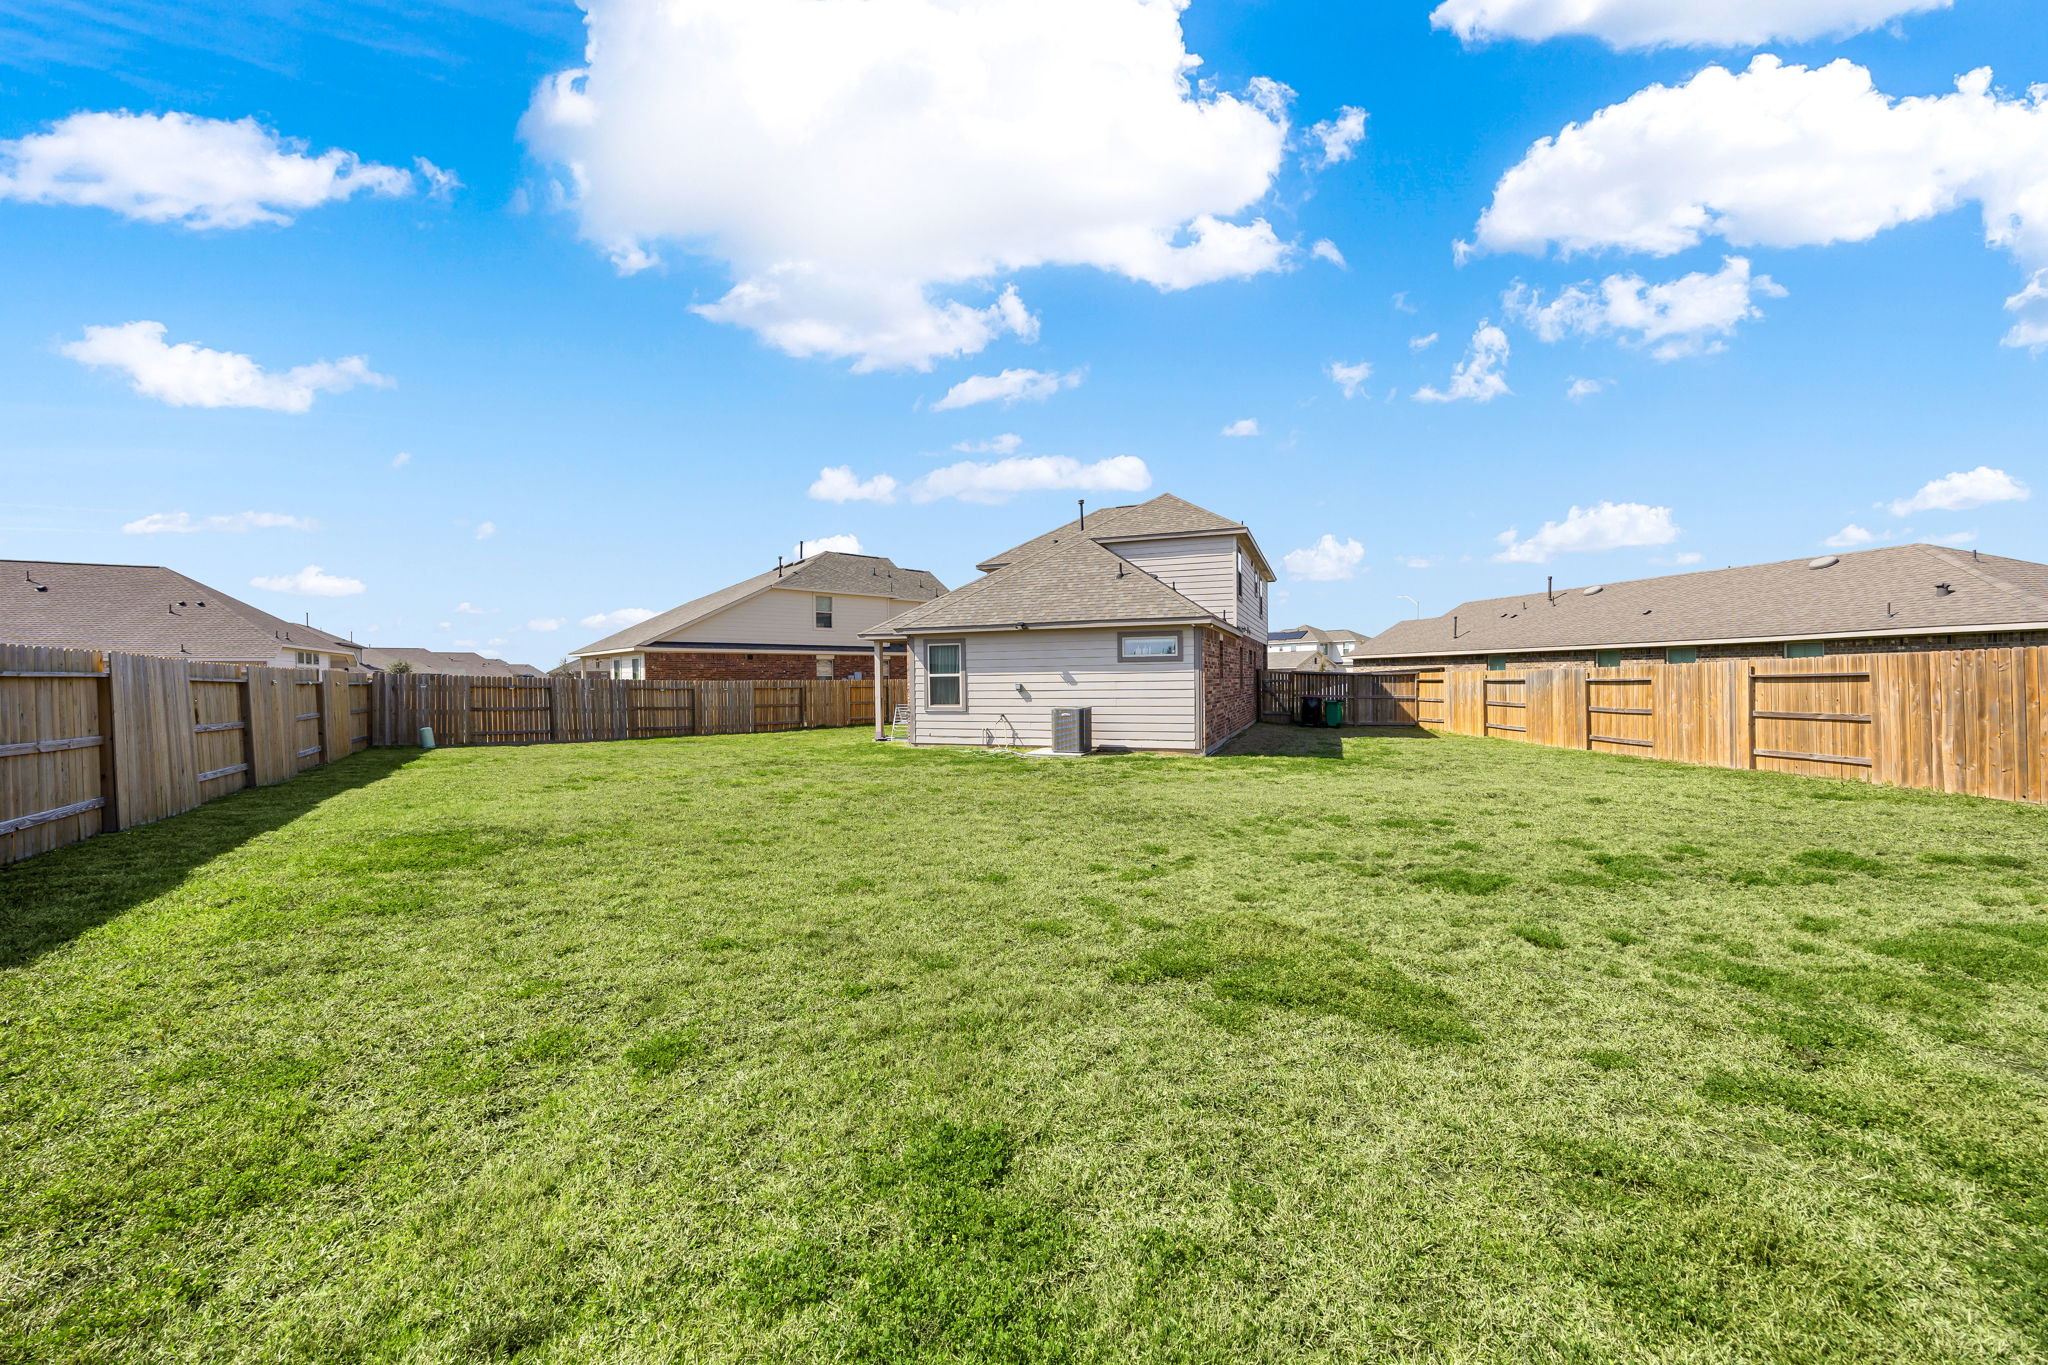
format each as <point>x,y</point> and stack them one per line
<point>1266,740</point>
<point>52,898</point>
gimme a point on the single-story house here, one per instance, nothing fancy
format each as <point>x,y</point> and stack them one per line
<point>798,620</point>
<point>148,609</point>
<point>1899,598</point>
<point>457,663</point>
<point>1285,649</point>
<point>1152,616</point>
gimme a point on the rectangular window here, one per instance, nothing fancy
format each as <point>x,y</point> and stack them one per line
<point>822,606</point>
<point>1496,663</point>
<point>309,660</point>
<point>824,665</point>
<point>1607,658</point>
<point>1155,648</point>
<point>1804,649</point>
<point>944,675</point>
<point>1681,654</point>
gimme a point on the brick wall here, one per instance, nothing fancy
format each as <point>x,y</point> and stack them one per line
<point>1230,683</point>
<point>679,666</point>
<point>1766,649</point>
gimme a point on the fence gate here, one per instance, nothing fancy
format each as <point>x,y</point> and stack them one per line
<point>861,704</point>
<point>1619,712</point>
<point>778,706</point>
<point>1507,704</point>
<point>656,711</point>
<point>1818,724</point>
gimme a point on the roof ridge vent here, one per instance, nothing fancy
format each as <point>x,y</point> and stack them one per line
<point>1596,588</point>
<point>1824,562</point>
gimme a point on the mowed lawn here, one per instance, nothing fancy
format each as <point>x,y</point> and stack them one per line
<point>797,1047</point>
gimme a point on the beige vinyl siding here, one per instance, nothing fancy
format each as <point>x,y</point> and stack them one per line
<point>1200,568</point>
<point>784,616</point>
<point>1251,604</point>
<point>1153,705</point>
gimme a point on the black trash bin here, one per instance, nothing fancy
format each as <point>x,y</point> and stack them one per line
<point>1308,711</point>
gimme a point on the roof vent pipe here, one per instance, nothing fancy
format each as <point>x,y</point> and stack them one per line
<point>1550,588</point>
<point>1083,524</point>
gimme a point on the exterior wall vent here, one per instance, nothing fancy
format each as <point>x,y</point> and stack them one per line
<point>1073,729</point>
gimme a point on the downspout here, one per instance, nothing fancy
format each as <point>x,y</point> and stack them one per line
<point>882,693</point>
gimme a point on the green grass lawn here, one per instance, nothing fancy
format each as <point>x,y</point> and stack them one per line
<point>797,1047</point>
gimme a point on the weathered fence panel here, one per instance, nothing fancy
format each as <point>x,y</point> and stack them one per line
<point>53,748</point>
<point>1967,721</point>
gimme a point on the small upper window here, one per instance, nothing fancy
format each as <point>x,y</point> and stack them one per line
<point>1804,649</point>
<point>825,665</point>
<point>823,608</point>
<point>1681,654</point>
<point>1607,658</point>
<point>1145,648</point>
<point>1497,663</point>
<point>309,660</point>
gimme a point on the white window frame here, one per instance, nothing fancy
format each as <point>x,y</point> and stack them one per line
<point>1124,656</point>
<point>827,664</point>
<point>959,674</point>
<point>308,659</point>
<point>821,611</point>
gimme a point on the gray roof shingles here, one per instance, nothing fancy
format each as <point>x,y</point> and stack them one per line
<point>1885,591</point>
<point>454,662</point>
<point>831,572</point>
<point>136,609</point>
<point>1067,577</point>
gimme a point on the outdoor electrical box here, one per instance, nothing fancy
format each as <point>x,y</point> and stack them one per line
<point>1072,729</point>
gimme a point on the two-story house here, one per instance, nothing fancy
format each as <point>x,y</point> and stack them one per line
<point>797,620</point>
<point>1153,616</point>
<point>1311,648</point>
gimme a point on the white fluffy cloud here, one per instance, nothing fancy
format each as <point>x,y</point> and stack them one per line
<point>471,609</point>
<point>1009,443</point>
<point>1849,537</point>
<point>1000,480</point>
<point>311,581</point>
<point>189,376</point>
<point>1577,388</point>
<point>1243,426</point>
<point>1329,560</point>
<point>1326,250</point>
<point>1422,343</point>
<point>1961,491</point>
<point>486,529</point>
<point>1476,378</point>
<point>825,545</point>
<point>1688,316</point>
<point>1670,23</point>
<point>854,162</point>
<point>1608,526</point>
<point>1011,386</point>
<point>1349,377</point>
<point>546,623</point>
<point>401,459</point>
<point>200,172</point>
<point>1337,139</point>
<point>838,483</point>
<point>184,523</point>
<point>617,620</point>
<point>1780,155</point>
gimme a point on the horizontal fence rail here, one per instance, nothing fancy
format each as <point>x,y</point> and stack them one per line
<point>93,742</point>
<point>1968,721</point>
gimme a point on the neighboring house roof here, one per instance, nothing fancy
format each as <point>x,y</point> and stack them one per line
<point>143,609</point>
<point>447,661</point>
<point>1316,634</point>
<point>1890,591</point>
<point>1164,515</point>
<point>1301,663</point>
<point>828,573</point>
<point>1070,582</point>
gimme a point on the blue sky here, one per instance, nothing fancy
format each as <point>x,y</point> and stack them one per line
<point>627,452</point>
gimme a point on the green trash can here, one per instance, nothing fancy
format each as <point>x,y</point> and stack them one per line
<point>1333,711</point>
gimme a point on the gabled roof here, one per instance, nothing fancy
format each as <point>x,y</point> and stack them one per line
<point>447,661</point>
<point>1302,663</point>
<point>1898,590</point>
<point>831,572</point>
<point>143,609</point>
<point>1069,582</point>
<point>1164,515</point>
<point>1317,634</point>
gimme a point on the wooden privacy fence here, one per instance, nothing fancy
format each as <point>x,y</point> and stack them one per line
<point>553,710</point>
<point>1968,721</point>
<point>92,741</point>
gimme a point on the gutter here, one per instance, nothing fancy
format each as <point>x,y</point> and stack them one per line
<point>1139,623</point>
